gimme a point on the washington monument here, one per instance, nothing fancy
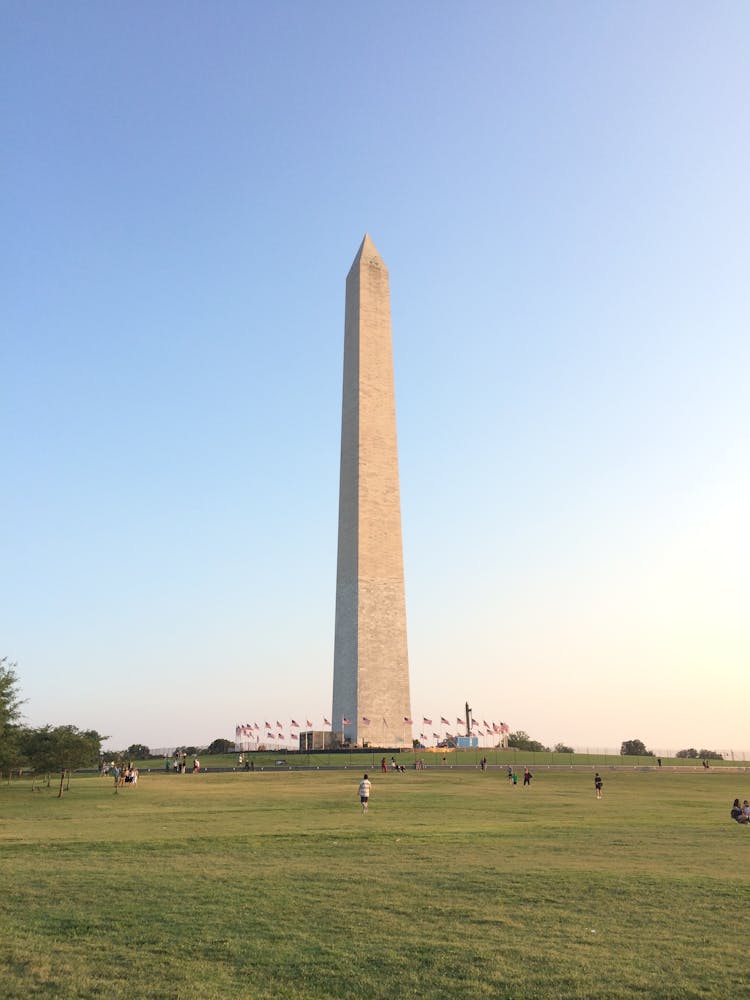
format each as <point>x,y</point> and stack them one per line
<point>370,661</point>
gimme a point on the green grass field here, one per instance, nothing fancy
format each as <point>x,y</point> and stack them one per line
<point>447,758</point>
<point>456,884</point>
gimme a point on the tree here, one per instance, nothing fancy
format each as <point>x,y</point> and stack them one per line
<point>635,748</point>
<point>62,748</point>
<point>691,753</point>
<point>10,713</point>
<point>522,741</point>
<point>220,746</point>
<point>561,748</point>
<point>710,755</point>
<point>138,751</point>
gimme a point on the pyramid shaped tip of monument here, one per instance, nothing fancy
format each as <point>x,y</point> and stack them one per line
<point>367,247</point>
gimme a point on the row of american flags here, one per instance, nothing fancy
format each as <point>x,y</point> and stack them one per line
<point>253,730</point>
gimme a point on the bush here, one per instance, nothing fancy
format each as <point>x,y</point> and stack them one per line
<point>635,748</point>
<point>693,754</point>
<point>522,741</point>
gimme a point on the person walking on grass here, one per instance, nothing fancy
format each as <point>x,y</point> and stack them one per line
<point>527,776</point>
<point>598,784</point>
<point>364,792</point>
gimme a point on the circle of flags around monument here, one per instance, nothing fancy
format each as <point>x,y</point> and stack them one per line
<point>252,736</point>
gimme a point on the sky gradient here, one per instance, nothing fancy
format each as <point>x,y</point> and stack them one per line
<point>561,196</point>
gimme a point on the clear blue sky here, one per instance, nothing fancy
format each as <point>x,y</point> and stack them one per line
<point>561,194</point>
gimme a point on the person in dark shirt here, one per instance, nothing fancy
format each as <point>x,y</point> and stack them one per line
<point>598,784</point>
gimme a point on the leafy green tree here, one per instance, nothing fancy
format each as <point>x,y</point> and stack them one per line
<point>691,753</point>
<point>138,751</point>
<point>10,713</point>
<point>710,755</point>
<point>62,748</point>
<point>635,748</point>
<point>562,748</point>
<point>220,746</point>
<point>522,741</point>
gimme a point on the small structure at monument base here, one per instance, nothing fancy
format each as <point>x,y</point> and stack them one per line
<point>318,739</point>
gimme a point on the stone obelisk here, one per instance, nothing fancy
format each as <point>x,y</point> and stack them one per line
<point>370,664</point>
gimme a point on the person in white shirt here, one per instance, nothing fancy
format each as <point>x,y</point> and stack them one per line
<point>364,792</point>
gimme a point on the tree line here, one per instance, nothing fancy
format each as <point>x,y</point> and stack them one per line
<point>628,748</point>
<point>139,751</point>
<point>44,750</point>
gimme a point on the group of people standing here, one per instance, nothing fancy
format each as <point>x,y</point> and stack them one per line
<point>122,775</point>
<point>180,765</point>
<point>513,777</point>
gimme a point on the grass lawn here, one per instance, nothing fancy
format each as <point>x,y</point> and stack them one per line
<point>433,759</point>
<point>455,884</point>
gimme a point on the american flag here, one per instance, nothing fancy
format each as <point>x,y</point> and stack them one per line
<point>504,727</point>
<point>279,725</point>
<point>444,721</point>
<point>270,736</point>
<point>309,724</point>
<point>347,722</point>
<point>295,724</point>
<point>486,724</point>
<point>326,722</point>
<point>267,725</point>
<point>365,721</point>
<point>256,727</point>
<point>408,721</point>
<point>426,721</point>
